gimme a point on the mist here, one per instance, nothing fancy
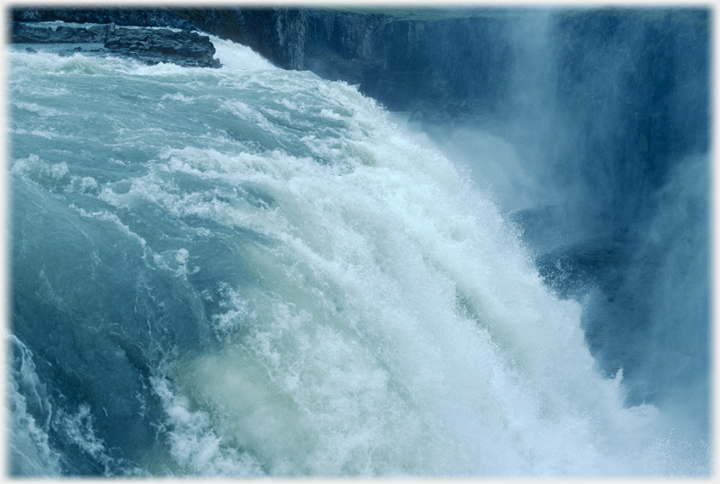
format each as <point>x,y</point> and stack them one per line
<point>599,155</point>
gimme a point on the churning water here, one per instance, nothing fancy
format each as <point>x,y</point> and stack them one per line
<point>249,271</point>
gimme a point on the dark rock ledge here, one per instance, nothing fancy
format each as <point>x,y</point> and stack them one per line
<point>148,45</point>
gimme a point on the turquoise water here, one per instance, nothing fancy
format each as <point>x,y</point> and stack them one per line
<point>248,271</point>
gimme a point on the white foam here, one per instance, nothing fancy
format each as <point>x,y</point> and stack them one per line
<point>238,57</point>
<point>29,448</point>
<point>405,329</point>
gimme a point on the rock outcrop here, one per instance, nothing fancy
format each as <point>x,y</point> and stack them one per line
<point>188,49</point>
<point>148,45</point>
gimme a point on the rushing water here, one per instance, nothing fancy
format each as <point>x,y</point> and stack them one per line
<point>248,271</point>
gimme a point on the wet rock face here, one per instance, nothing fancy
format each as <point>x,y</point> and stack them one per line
<point>149,45</point>
<point>188,49</point>
<point>32,34</point>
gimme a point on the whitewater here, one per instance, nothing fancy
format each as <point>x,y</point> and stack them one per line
<point>249,271</point>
